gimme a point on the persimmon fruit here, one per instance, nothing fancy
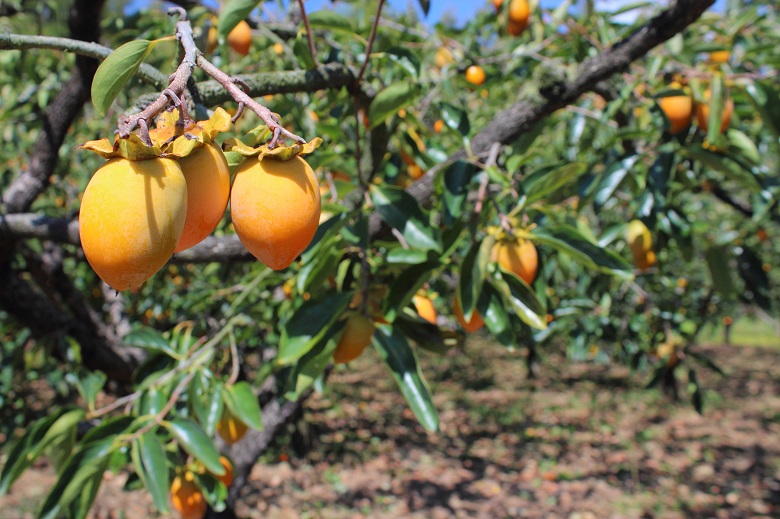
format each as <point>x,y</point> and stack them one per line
<point>240,38</point>
<point>678,110</point>
<point>517,255</point>
<point>230,428</point>
<point>475,75</point>
<point>132,216</point>
<point>187,498</point>
<point>703,113</point>
<point>275,206</point>
<point>473,324</point>
<point>208,189</point>
<point>354,339</point>
<point>425,308</point>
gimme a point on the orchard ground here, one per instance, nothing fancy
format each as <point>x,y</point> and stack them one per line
<point>581,441</point>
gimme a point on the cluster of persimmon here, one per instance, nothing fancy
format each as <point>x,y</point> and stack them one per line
<point>148,202</point>
<point>681,107</point>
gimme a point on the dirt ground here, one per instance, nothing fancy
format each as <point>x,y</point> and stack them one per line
<point>581,442</point>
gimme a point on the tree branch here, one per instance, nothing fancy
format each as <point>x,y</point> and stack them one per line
<point>146,72</point>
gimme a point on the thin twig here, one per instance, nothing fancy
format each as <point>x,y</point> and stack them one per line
<point>309,34</point>
<point>371,38</point>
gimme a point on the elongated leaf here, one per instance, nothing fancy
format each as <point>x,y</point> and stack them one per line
<point>402,362</point>
<point>150,340</point>
<point>309,324</point>
<point>521,299</point>
<point>718,260</point>
<point>331,20</point>
<point>407,256</point>
<point>195,442</point>
<point>79,480</point>
<point>726,165</point>
<point>390,100</point>
<point>242,402</point>
<point>402,212</point>
<point>22,455</point>
<point>491,308</point>
<point>549,179</point>
<point>456,180</point>
<point>455,118</point>
<point>309,368</point>
<point>110,427</point>
<point>404,288</point>
<point>767,99</point>
<point>611,179</point>
<point>472,275</point>
<point>568,240</point>
<point>206,400</point>
<point>149,460</point>
<point>116,70</point>
<point>407,59</point>
<point>232,13</point>
<point>716,104</point>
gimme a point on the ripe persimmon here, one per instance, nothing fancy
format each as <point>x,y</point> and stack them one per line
<point>425,308</point>
<point>678,110</point>
<point>640,242</point>
<point>275,206</point>
<point>132,215</point>
<point>703,113</point>
<point>517,255</point>
<point>227,477</point>
<point>208,189</point>
<point>354,339</point>
<point>475,75</point>
<point>187,498</point>
<point>438,126</point>
<point>519,14</point>
<point>473,324</point>
<point>240,38</point>
<point>230,428</point>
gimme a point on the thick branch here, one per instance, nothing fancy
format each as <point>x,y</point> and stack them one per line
<point>146,72</point>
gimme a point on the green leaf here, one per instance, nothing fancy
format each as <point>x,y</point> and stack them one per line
<point>472,275</point>
<point>456,179</point>
<point>549,179</point>
<point>311,366</point>
<point>232,13</point>
<point>77,486</point>
<point>309,324</point>
<point>406,256</point>
<point>116,70</point>
<point>611,179</point>
<point>718,260</point>
<point>150,464</point>
<point>402,212</point>
<point>426,335</point>
<point>402,362</point>
<point>404,287</point>
<point>214,491</point>
<point>425,5</point>
<point>109,428</point>
<point>205,395</point>
<point>766,98</point>
<point>150,340</point>
<point>570,241</point>
<point>314,273</point>
<point>491,308</point>
<point>88,384</point>
<point>407,59</point>
<point>726,165</point>
<point>455,118</point>
<point>330,20</point>
<point>303,52</point>
<point>522,299</point>
<point>242,402</point>
<point>756,280</point>
<point>716,103</point>
<point>390,100</point>
<point>195,442</point>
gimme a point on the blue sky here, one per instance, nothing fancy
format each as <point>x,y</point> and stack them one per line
<point>463,10</point>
